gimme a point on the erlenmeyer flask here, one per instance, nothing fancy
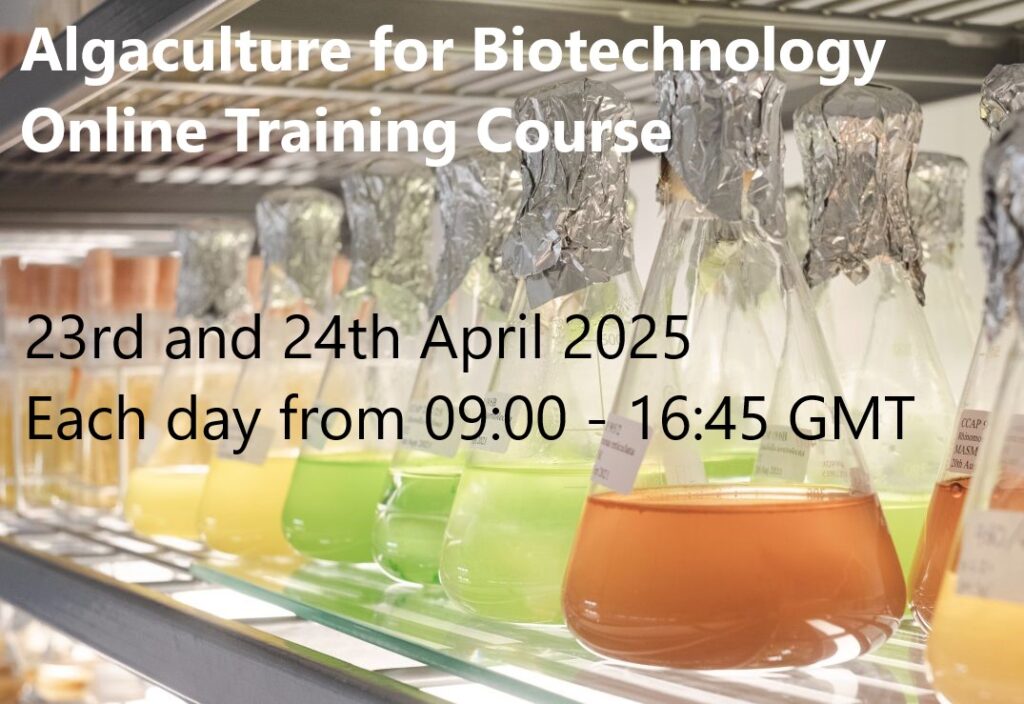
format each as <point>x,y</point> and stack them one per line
<point>937,208</point>
<point>245,489</point>
<point>677,564</point>
<point>165,482</point>
<point>975,651</point>
<point>858,144</point>
<point>980,389</point>
<point>333,495</point>
<point>479,196</point>
<point>518,502</point>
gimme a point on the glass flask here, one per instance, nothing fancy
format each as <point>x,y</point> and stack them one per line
<point>333,496</point>
<point>102,463</point>
<point>879,336</point>
<point>479,196</point>
<point>936,187</point>
<point>165,483</point>
<point>780,559</point>
<point>979,391</point>
<point>8,492</point>
<point>44,468</point>
<point>245,489</point>
<point>518,502</point>
<point>975,650</point>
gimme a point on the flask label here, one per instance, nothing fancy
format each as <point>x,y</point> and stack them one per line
<point>782,455</point>
<point>495,437</point>
<point>255,451</point>
<point>415,435</point>
<point>1012,456</point>
<point>970,429</point>
<point>622,450</point>
<point>992,556</point>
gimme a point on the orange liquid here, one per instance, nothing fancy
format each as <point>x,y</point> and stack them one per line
<point>733,577</point>
<point>932,556</point>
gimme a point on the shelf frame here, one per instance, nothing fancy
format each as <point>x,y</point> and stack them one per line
<point>198,657</point>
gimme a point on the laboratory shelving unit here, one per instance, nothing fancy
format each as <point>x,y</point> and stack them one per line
<point>212,634</point>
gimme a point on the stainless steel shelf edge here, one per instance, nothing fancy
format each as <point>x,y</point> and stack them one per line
<point>199,657</point>
<point>149,21</point>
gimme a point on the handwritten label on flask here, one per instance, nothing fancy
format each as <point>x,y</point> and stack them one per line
<point>254,453</point>
<point>992,556</point>
<point>417,437</point>
<point>970,429</point>
<point>621,453</point>
<point>782,455</point>
<point>495,437</point>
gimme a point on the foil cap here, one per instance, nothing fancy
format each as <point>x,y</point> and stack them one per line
<point>727,141</point>
<point>1002,94</point>
<point>572,229</point>
<point>214,267</point>
<point>858,144</point>
<point>1001,229</point>
<point>298,231</point>
<point>479,196</point>
<point>937,205</point>
<point>388,204</point>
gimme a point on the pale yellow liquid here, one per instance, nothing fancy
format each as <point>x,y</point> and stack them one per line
<point>98,480</point>
<point>164,501</point>
<point>240,512</point>
<point>7,494</point>
<point>975,652</point>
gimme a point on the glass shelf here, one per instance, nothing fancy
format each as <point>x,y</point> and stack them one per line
<point>545,664</point>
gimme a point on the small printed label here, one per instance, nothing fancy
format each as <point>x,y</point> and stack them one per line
<point>782,455</point>
<point>621,453</point>
<point>416,437</point>
<point>255,451</point>
<point>992,556</point>
<point>1012,457</point>
<point>495,437</point>
<point>969,432</point>
<point>146,449</point>
<point>315,437</point>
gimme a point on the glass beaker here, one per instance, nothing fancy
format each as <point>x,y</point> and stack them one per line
<point>781,559</point>
<point>337,483</point>
<point>974,651</point>
<point>980,388</point>
<point>479,195</point>
<point>518,502</point>
<point>245,489</point>
<point>167,475</point>
<point>879,336</point>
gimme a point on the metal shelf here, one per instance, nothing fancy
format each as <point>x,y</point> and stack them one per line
<point>116,188</point>
<point>276,632</point>
<point>128,598</point>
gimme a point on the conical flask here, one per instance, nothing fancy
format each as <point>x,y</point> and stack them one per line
<point>479,195</point>
<point>784,561</point>
<point>518,502</point>
<point>982,385</point>
<point>975,651</point>
<point>333,496</point>
<point>937,208</point>
<point>246,486</point>
<point>858,144</point>
<point>166,479</point>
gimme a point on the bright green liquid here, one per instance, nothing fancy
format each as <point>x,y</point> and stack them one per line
<point>738,466</point>
<point>905,514</point>
<point>331,505</point>
<point>409,530</point>
<point>508,540</point>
